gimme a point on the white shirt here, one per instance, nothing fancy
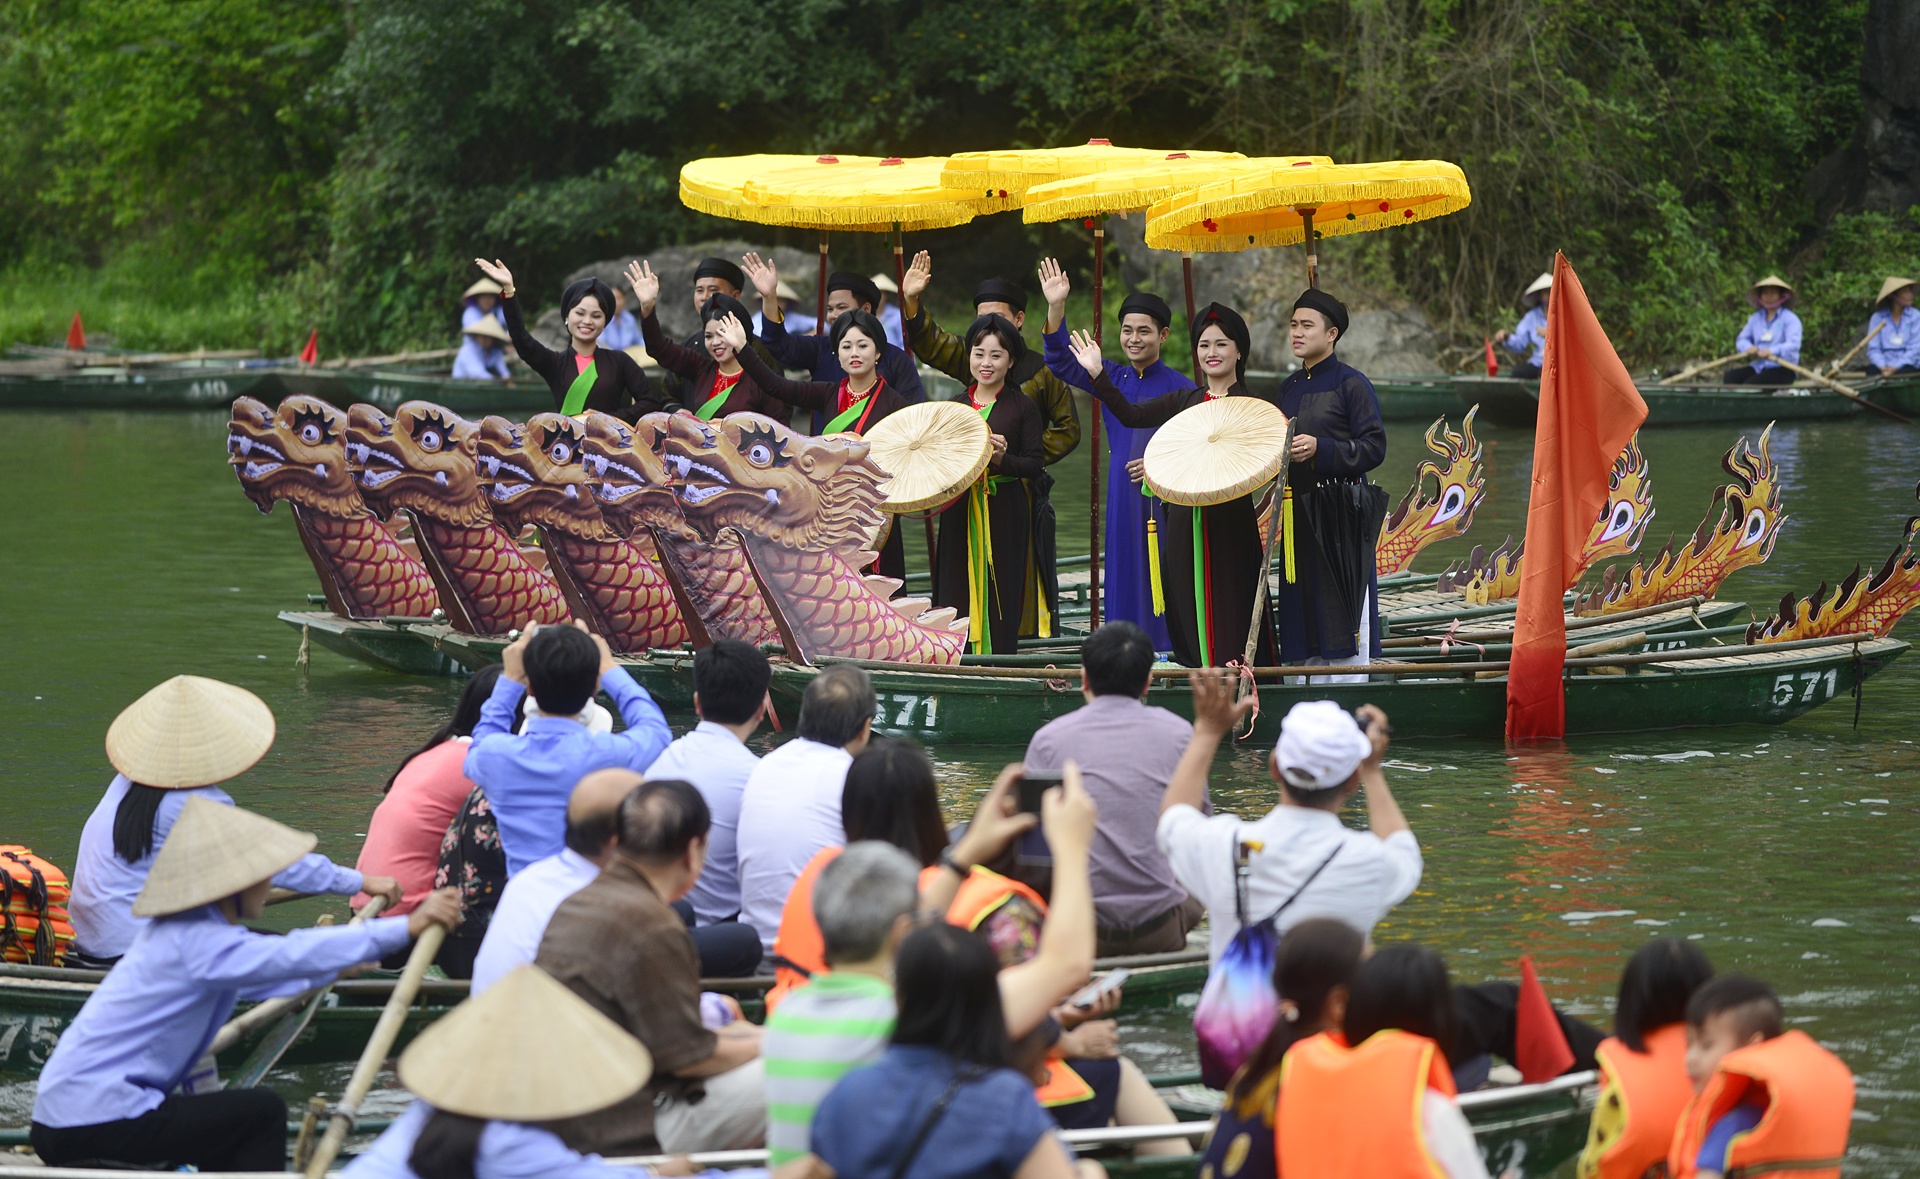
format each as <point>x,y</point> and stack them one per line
<point>718,764</point>
<point>526,905</point>
<point>1359,886</point>
<point>791,809</point>
<point>1450,1137</point>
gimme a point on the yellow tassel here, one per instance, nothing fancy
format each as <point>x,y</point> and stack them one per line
<point>1286,525</point>
<point>1153,566</point>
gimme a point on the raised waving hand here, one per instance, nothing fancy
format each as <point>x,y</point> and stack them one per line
<point>1086,350</point>
<point>498,272</point>
<point>646,285</point>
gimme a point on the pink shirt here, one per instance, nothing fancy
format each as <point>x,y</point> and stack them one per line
<point>403,841</point>
<point>580,362</point>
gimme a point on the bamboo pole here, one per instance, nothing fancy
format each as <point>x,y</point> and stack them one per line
<point>820,324</point>
<point>1684,373</point>
<point>1842,390</point>
<point>1186,277</point>
<point>1266,550</point>
<point>378,1045</point>
<point>261,1014</point>
<point>1572,624</point>
<point>1093,502</point>
<point>1836,365</point>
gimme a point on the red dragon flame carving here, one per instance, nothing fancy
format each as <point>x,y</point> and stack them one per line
<point>1421,519</point>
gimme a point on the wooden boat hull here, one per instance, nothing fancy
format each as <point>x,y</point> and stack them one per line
<point>654,673</point>
<point>379,644</point>
<point>1510,401</point>
<point>1746,687</point>
<point>518,399</point>
<point>1416,399</point>
<point>170,388</point>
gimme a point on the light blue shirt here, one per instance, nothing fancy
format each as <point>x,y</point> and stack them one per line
<point>1779,335</point>
<point>470,314</point>
<point>526,905</point>
<point>1898,343</point>
<point>1530,335</point>
<point>480,360</point>
<point>508,1150</point>
<point>622,332</point>
<point>105,886</point>
<point>157,1011</point>
<point>718,765</point>
<point>894,326</point>
<point>529,776</point>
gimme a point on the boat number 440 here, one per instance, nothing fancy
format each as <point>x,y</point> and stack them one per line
<point>1807,687</point>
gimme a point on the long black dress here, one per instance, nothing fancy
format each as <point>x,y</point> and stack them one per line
<point>1010,523</point>
<point>825,397</point>
<point>619,384</point>
<point>1229,554</point>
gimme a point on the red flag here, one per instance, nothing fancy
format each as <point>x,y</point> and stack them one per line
<point>1588,410</point>
<point>311,353</point>
<point>1493,364</point>
<point>1540,1047</point>
<point>76,335</point>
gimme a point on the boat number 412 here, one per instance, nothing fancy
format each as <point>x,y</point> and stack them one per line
<point>1806,686</point>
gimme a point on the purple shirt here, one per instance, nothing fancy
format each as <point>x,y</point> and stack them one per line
<point>1126,752</point>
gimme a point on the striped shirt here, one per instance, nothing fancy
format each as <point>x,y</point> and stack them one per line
<point>821,1032</point>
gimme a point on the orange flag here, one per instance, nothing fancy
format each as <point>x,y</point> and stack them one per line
<point>311,355</point>
<point>76,335</point>
<point>1588,410</point>
<point>1540,1048</point>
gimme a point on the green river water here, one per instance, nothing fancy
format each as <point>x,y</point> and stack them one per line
<point>1789,853</point>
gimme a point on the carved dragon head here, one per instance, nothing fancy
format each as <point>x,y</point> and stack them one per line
<point>627,476</point>
<point>421,458</point>
<point>751,473</point>
<point>1875,604</point>
<point>297,453</point>
<point>1459,488</point>
<point>1622,523</point>
<point>532,474</point>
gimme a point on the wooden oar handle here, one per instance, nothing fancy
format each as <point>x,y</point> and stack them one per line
<point>261,1014</point>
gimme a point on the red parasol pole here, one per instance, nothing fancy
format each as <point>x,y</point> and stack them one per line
<point>1313,251</point>
<point>1093,502</point>
<point>1186,273</point>
<point>820,324</point>
<point>899,260</point>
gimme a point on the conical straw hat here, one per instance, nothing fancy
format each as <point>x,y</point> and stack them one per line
<point>482,286</point>
<point>190,731</point>
<point>1540,286</point>
<point>1892,287</point>
<point>1216,451</point>
<point>526,1049</point>
<point>932,451</point>
<point>214,851</point>
<point>489,327</point>
<point>1772,280</point>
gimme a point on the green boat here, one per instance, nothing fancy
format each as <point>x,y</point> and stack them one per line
<point>114,388</point>
<point>1511,401</point>
<point>518,399</point>
<point>1416,399</point>
<point>387,644</point>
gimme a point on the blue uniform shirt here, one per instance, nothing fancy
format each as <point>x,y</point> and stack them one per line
<point>1530,335</point>
<point>1898,343</point>
<point>622,333</point>
<point>480,359</point>
<point>1779,335</point>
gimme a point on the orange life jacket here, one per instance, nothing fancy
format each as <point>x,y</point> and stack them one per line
<point>1641,1096</point>
<point>799,952</point>
<point>981,895</point>
<point>1803,1132</point>
<point>34,926</point>
<point>1356,1111</point>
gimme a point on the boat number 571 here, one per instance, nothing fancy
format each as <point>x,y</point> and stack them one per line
<point>1807,688</point>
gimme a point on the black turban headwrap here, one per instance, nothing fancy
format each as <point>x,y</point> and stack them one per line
<point>721,268</point>
<point>999,290</point>
<point>579,289</point>
<point>868,323</point>
<point>1141,303</point>
<point>1229,321</point>
<point>1325,304</point>
<point>1002,327</point>
<point>858,285</point>
<point>722,305</point>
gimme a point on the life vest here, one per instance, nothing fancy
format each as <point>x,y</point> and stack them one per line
<point>1357,1111</point>
<point>981,895</point>
<point>1641,1096</point>
<point>799,952</point>
<point>34,926</point>
<point>1803,1133</point>
<point>1061,1085</point>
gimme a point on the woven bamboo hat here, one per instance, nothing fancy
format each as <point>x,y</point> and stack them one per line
<point>489,327</point>
<point>885,282</point>
<point>190,731</point>
<point>1532,295</point>
<point>1216,451</point>
<point>1772,280</point>
<point>214,851</point>
<point>481,286</point>
<point>1892,287</point>
<point>526,1049</point>
<point>932,451</point>
<point>783,291</point>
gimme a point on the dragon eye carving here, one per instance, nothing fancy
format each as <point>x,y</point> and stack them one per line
<point>312,428</point>
<point>430,433</point>
<point>763,449</point>
<point>1753,530</point>
<point>1452,503</point>
<point>560,452</point>
<point>1620,520</point>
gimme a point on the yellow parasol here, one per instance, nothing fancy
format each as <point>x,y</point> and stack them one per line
<point>1287,204</point>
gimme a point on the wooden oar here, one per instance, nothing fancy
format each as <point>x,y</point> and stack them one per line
<point>378,1045</point>
<point>1842,390</point>
<point>1683,374</point>
<point>1273,535</point>
<point>291,1024</point>
<point>1495,636</point>
<point>1837,365</point>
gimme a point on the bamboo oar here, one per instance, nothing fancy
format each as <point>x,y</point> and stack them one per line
<point>378,1045</point>
<point>1683,374</point>
<point>1494,636</point>
<point>266,1012</point>
<point>1835,366</point>
<point>280,896</point>
<point>1273,535</point>
<point>1842,390</point>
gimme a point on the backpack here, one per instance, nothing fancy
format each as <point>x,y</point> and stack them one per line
<point>34,926</point>
<point>1239,1004</point>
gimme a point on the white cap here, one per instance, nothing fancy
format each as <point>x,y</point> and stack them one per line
<point>597,719</point>
<point>1321,745</point>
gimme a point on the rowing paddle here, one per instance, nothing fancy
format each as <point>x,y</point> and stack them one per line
<point>260,1014</point>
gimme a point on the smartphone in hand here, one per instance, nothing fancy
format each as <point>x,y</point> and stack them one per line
<point>1099,988</point>
<point>1034,785</point>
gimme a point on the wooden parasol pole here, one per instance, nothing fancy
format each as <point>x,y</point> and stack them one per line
<point>1842,390</point>
<point>899,260</point>
<point>820,323</point>
<point>381,1042</point>
<point>1266,550</point>
<point>1313,251</point>
<point>900,280</point>
<point>1854,351</point>
<point>1093,502</point>
<point>1186,273</point>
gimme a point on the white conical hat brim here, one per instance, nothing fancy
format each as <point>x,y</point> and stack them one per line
<point>214,851</point>
<point>489,327</point>
<point>1772,280</point>
<point>526,1049</point>
<point>190,731</point>
<point>1891,287</point>
<point>1216,451</point>
<point>931,451</point>
<point>1543,283</point>
<point>482,286</point>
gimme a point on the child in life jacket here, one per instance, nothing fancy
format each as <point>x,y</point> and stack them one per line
<point>1643,1066</point>
<point>1766,1102</point>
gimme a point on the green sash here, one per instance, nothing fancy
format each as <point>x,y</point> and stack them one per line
<point>979,558</point>
<point>848,418</point>
<point>1202,624</point>
<point>576,399</point>
<point>712,405</point>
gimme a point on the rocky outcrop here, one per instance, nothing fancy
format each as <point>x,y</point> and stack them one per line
<point>1880,169</point>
